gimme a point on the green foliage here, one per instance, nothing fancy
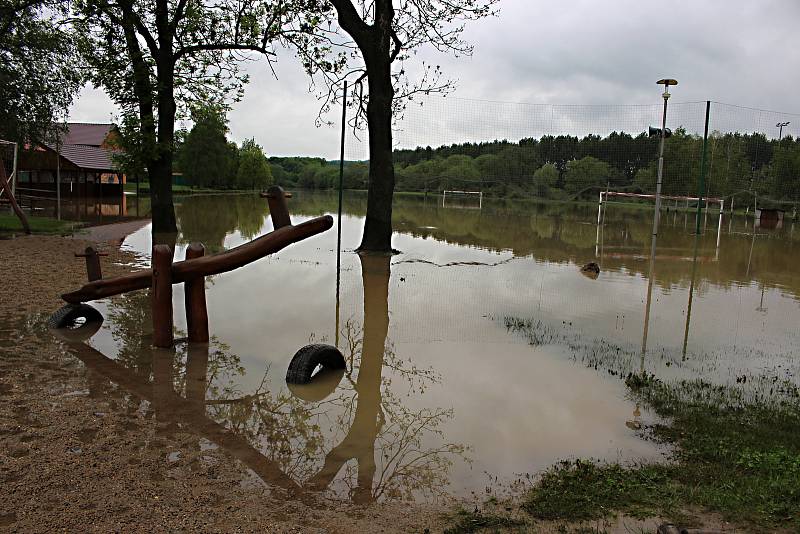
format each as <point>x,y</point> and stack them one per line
<point>206,158</point>
<point>586,173</point>
<point>39,75</point>
<point>254,170</point>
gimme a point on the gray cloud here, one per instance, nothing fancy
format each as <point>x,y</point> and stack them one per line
<point>569,52</point>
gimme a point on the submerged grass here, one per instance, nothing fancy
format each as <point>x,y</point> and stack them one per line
<point>737,457</point>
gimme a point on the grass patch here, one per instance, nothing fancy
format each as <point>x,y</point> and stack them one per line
<point>737,457</point>
<point>144,189</point>
<point>465,522</point>
<point>39,225</point>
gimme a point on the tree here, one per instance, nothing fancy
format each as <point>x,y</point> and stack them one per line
<point>38,72</point>
<point>254,170</point>
<point>385,33</point>
<point>157,58</point>
<point>584,173</point>
<point>544,179</point>
<point>206,159</point>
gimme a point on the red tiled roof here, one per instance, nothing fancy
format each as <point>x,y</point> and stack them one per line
<point>82,133</point>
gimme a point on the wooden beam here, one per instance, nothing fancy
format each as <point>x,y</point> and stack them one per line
<point>161,297</point>
<point>207,265</point>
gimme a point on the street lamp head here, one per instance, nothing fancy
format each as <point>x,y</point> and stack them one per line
<point>666,82</point>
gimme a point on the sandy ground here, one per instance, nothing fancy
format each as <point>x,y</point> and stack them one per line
<point>78,454</point>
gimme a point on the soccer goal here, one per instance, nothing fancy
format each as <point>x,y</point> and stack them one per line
<point>667,201</point>
<point>462,199</point>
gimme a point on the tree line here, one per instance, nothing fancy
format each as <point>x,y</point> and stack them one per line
<point>564,167</point>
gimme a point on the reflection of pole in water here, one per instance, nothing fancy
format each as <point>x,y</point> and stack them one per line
<point>666,83</point>
<point>691,293</point>
<point>339,220</point>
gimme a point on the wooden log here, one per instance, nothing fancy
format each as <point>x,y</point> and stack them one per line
<point>6,189</point>
<point>195,299</point>
<point>161,297</point>
<point>278,207</point>
<point>205,266</point>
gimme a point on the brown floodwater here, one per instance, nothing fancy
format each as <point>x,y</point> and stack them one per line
<point>477,355</point>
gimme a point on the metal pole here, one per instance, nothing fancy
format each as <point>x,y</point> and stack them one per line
<point>691,293</point>
<point>339,219</point>
<point>666,83</point>
<point>702,184</point>
<point>58,177</point>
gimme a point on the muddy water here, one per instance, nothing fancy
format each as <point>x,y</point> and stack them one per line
<point>478,354</point>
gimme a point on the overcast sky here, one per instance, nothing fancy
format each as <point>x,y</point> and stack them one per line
<point>596,55</point>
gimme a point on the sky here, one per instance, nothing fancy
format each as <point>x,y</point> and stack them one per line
<point>573,66</point>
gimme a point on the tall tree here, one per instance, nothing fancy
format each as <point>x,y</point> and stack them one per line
<point>386,32</point>
<point>156,58</point>
<point>38,69</point>
<point>254,171</point>
<point>205,156</point>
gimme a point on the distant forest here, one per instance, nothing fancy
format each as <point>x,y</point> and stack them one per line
<point>564,167</point>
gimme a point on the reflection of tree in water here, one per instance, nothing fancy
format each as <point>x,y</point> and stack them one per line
<point>209,219</point>
<point>363,420</point>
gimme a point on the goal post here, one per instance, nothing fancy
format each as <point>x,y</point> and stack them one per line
<point>462,199</point>
<point>604,195</point>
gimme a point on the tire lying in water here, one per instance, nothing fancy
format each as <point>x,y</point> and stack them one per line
<point>321,386</point>
<point>307,359</point>
<point>75,322</point>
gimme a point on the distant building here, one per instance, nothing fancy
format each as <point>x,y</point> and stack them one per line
<point>83,160</point>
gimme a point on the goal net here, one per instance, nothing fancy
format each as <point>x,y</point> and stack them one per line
<point>462,199</point>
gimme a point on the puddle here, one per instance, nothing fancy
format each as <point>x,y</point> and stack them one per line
<point>480,352</point>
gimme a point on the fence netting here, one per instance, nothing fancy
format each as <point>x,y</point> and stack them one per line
<point>569,152</point>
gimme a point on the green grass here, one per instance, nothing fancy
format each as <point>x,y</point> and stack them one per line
<point>144,189</point>
<point>39,225</point>
<point>736,457</point>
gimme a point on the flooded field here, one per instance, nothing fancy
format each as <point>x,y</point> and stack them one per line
<point>477,355</point>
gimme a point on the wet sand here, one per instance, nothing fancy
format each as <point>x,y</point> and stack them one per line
<point>75,456</point>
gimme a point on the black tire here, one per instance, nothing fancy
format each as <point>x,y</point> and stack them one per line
<point>66,323</point>
<point>306,360</point>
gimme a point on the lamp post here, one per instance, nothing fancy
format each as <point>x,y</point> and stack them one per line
<point>666,83</point>
<point>780,126</point>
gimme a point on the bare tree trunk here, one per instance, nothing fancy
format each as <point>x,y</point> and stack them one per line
<point>163,210</point>
<point>378,226</point>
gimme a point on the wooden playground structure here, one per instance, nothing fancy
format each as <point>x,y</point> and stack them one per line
<point>192,272</point>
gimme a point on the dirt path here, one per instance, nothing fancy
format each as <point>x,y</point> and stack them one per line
<point>80,454</point>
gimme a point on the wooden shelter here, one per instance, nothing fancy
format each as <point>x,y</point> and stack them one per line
<point>81,162</point>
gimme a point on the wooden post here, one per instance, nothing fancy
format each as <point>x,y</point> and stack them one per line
<point>161,298</point>
<point>93,270</point>
<point>5,188</point>
<point>278,207</point>
<point>195,299</point>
